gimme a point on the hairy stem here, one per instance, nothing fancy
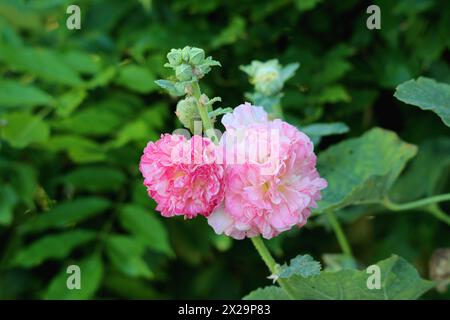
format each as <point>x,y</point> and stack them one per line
<point>343,242</point>
<point>202,110</point>
<point>271,264</point>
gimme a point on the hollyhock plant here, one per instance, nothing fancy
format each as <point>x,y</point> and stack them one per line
<point>272,191</point>
<point>259,178</point>
<point>182,175</point>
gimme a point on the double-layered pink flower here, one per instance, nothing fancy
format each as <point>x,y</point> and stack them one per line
<point>183,176</point>
<point>261,180</point>
<point>271,182</point>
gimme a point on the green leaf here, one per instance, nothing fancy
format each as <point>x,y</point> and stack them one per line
<point>146,4</point>
<point>219,111</point>
<point>306,5</point>
<point>325,129</point>
<point>393,71</point>
<point>24,181</point>
<point>80,149</point>
<point>126,253</point>
<point>130,288</point>
<point>337,262</point>
<point>95,179</point>
<point>51,247</point>
<point>173,88</point>
<point>8,200</point>
<point>333,66</point>
<point>66,214</point>
<point>301,265</point>
<point>90,122</point>
<point>427,94</point>
<point>23,129</point>
<point>44,63</point>
<point>230,34</point>
<point>102,78</point>
<point>91,270</point>
<point>146,227</point>
<point>362,170</point>
<point>14,94</point>
<point>133,131</point>
<point>267,293</point>
<point>82,62</point>
<point>136,78</point>
<point>318,130</point>
<point>399,281</point>
<point>20,15</point>
<point>69,101</point>
<point>288,71</point>
<point>422,179</point>
<point>333,94</point>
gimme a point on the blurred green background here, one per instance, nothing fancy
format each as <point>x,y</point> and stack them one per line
<point>77,108</point>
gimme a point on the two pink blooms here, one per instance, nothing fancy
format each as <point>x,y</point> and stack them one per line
<point>240,195</point>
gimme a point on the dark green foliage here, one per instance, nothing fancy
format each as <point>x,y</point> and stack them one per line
<point>77,107</point>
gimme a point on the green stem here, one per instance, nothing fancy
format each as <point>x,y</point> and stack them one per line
<point>271,264</point>
<point>278,111</point>
<point>415,204</point>
<point>343,242</point>
<point>438,213</point>
<point>202,110</point>
<point>265,254</point>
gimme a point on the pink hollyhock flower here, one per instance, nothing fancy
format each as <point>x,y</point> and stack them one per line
<point>271,181</point>
<point>244,115</point>
<point>182,175</point>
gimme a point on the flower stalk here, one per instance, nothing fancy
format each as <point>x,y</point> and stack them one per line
<point>340,235</point>
<point>265,255</point>
<point>203,111</point>
<point>429,204</point>
<point>415,204</point>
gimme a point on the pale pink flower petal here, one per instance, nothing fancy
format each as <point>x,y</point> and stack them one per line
<point>243,115</point>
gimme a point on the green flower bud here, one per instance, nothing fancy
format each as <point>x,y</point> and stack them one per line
<point>267,78</point>
<point>185,53</point>
<point>196,56</point>
<point>174,57</point>
<point>187,112</point>
<point>183,72</point>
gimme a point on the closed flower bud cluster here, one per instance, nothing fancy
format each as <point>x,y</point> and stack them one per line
<point>189,63</point>
<point>187,112</point>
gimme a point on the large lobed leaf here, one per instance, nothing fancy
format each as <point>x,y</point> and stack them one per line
<point>302,265</point>
<point>399,281</point>
<point>427,94</point>
<point>362,170</point>
<point>423,179</point>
